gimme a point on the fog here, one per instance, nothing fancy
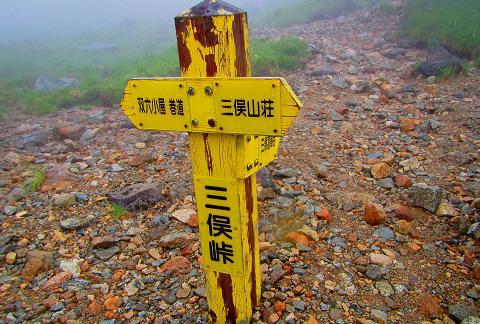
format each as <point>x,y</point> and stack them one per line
<point>26,20</point>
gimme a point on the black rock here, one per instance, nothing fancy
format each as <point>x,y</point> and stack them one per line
<point>326,69</point>
<point>137,196</point>
<point>439,59</point>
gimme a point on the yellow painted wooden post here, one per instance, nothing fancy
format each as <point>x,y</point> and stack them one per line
<point>234,124</point>
<point>212,41</point>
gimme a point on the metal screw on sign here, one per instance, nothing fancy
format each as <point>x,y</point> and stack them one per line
<point>209,91</point>
<point>244,116</point>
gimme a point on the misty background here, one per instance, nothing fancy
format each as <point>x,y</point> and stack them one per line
<point>33,20</point>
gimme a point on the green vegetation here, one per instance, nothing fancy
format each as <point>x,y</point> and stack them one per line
<point>309,10</point>
<point>447,73</point>
<point>117,211</point>
<point>272,57</point>
<point>453,24</point>
<point>102,85</point>
<point>35,181</point>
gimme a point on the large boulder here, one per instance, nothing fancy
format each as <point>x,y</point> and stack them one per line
<point>45,84</point>
<point>138,196</point>
<point>437,60</point>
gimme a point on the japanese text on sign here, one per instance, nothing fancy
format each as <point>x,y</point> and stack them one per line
<point>219,224</point>
<point>248,108</point>
<point>161,106</point>
<point>219,227</point>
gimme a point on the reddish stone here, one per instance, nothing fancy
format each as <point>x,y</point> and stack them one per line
<point>193,221</point>
<point>429,306</point>
<point>403,181</point>
<point>37,262</point>
<point>110,315</point>
<point>56,281</point>
<point>112,303</point>
<point>72,132</point>
<point>298,238</point>
<point>408,124</point>
<point>84,266</point>
<point>176,263</point>
<point>381,171</point>
<point>324,214</point>
<point>280,307</point>
<point>94,307</point>
<point>374,214</point>
<point>189,249</point>
<point>342,110</point>
<point>383,100</point>
<point>403,212</point>
<point>476,274</point>
<point>50,301</point>
<point>58,178</point>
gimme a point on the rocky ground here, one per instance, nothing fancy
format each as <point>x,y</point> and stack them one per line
<point>369,215</point>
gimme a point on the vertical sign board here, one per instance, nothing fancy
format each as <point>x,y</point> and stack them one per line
<point>220,224</point>
<point>235,124</point>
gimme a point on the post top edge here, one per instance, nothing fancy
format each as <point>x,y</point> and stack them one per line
<point>211,8</point>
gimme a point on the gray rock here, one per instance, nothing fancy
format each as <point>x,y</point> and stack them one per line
<point>137,196</point>
<point>89,134</point>
<point>287,173</point>
<point>437,60</point>
<point>326,69</point>
<point>157,220</point>
<point>322,171</point>
<point>425,196</point>
<point>459,312</point>
<point>434,124</point>
<point>386,183</point>
<point>384,233</point>
<point>57,307</point>
<point>17,194</point>
<point>45,84</point>
<point>457,158</point>
<point>292,193</point>
<point>379,316</point>
<point>9,210</point>
<point>376,272</point>
<point>105,254</point>
<point>337,241</point>
<point>32,141</point>
<point>64,200</point>
<point>264,177</point>
<point>384,288</point>
<point>81,197</point>
<point>71,266</point>
<point>340,82</point>
<point>117,167</point>
<point>299,305</point>
<point>200,292</point>
<point>352,69</point>
<point>75,223</point>
<point>76,284</point>
<point>471,320</point>
<point>474,231</point>
<point>335,116</point>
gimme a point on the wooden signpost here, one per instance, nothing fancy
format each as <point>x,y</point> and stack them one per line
<point>234,124</point>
